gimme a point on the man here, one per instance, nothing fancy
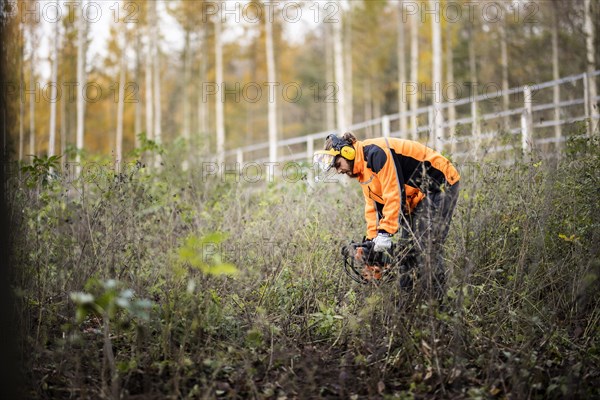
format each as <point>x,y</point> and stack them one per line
<point>407,186</point>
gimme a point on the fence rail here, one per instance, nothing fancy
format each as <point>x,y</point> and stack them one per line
<point>528,123</point>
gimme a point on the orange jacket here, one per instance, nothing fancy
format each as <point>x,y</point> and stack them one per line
<point>395,171</point>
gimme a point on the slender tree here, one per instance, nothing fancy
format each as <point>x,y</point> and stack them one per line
<point>591,62</point>
<point>271,78</point>
<point>157,82</point>
<point>338,57</point>
<point>220,117</point>
<point>187,77</point>
<point>451,86</point>
<point>414,72</point>
<point>81,79</point>
<point>347,46</point>
<point>137,127</point>
<point>401,54</point>
<point>21,84</point>
<point>555,69</point>
<point>121,103</point>
<point>148,79</point>
<point>54,90</point>
<point>473,79</point>
<point>330,77</point>
<point>436,42</point>
<point>32,62</point>
<point>504,68</point>
<point>202,103</point>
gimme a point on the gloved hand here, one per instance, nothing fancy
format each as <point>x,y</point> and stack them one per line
<point>383,242</point>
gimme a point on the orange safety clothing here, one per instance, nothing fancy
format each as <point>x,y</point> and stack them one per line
<point>395,175</point>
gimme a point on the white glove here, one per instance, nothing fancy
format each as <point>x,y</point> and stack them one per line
<point>383,242</point>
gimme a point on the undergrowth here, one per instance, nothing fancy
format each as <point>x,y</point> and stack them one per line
<point>148,283</point>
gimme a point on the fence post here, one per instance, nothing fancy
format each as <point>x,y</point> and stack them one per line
<point>239,157</point>
<point>385,125</point>
<point>526,122</point>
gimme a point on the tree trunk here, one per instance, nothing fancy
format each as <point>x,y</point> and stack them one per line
<point>414,72</point>
<point>555,72</point>
<point>187,66</point>
<point>202,104</point>
<point>121,103</point>
<point>272,106</point>
<point>329,77</point>
<point>32,61</point>
<point>63,130</point>
<point>451,87</point>
<point>149,88</point>
<point>591,63</point>
<point>157,92</point>
<point>53,90</point>
<point>81,78</point>
<point>347,26</point>
<point>338,57</point>
<point>185,92</point>
<point>504,66</point>
<point>400,51</point>
<point>473,78</point>
<point>436,43</point>
<point>219,98</point>
<point>138,105</point>
<point>21,84</point>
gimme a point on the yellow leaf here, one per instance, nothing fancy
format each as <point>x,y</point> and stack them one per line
<point>566,238</point>
<point>222,269</point>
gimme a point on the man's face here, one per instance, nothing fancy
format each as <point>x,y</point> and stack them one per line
<point>343,166</point>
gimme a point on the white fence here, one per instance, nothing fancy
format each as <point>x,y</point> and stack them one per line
<point>538,116</point>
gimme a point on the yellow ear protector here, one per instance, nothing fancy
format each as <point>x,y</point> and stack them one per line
<point>344,148</point>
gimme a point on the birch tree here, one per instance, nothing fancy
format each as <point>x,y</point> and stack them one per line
<point>32,62</point>
<point>202,104</point>
<point>473,80</point>
<point>591,63</point>
<point>555,69</point>
<point>121,88</point>
<point>451,86</point>
<point>414,72</point>
<point>400,51</point>
<point>271,78</point>
<point>137,125</point>
<point>504,68</point>
<point>156,79</point>
<point>436,42</point>
<point>220,118</point>
<point>329,77</point>
<point>81,78</point>
<point>53,91</point>
<point>148,80</point>
<point>347,46</point>
<point>338,57</point>
<point>21,83</point>
<point>187,72</point>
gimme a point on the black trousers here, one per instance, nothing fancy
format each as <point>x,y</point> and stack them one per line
<point>429,226</point>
